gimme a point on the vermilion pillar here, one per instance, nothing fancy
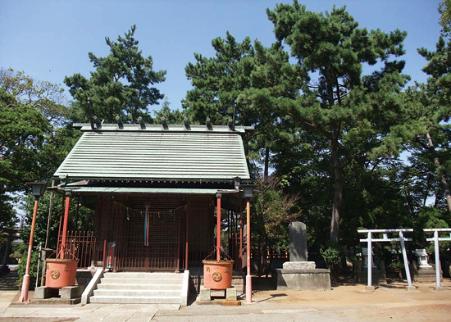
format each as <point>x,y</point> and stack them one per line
<point>65,223</point>
<point>248,252</point>
<point>218,227</point>
<point>26,277</point>
<point>241,239</point>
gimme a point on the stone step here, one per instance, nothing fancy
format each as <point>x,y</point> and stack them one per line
<point>134,293</point>
<point>136,299</point>
<point>141,286</point>
<point>142,274</point>
<point>146,281</point>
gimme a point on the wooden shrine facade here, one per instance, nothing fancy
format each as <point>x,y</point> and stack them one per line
<point>170,233</point>
<point>154,191</point>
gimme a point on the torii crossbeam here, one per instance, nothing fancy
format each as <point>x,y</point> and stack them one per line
<point>385,238</point>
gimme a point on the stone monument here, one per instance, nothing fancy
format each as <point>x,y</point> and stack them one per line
<point>299,273</point>
<point>365,256</point>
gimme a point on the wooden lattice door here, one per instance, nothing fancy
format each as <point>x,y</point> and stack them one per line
<point>160,251</point>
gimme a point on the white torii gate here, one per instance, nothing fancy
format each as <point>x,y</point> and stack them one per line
<point>369,240</point>
<point>436,240</point>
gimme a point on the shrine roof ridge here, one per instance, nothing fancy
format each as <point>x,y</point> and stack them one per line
<point>145,127</point>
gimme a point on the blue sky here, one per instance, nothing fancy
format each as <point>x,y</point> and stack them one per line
<point>51,39</point>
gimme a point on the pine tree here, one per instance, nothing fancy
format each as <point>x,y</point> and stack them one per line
<point>122,83</point>
<point>168,115</point>
<point>244,83</point>
<point>349,111</point>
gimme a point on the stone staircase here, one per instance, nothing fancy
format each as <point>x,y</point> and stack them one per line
<point>130,287</point>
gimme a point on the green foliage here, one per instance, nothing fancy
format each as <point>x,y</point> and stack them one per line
<point>81,218</point>
<point>244,83</point>
<point>429,217</point>
<point>433,218</point>
<point>23,130</point>
<point>424,127</point>
<point>331,256</point>
<point>20,253</point>
<point>217,81</point>
<point>33,141</point>
<point>122,83</point>
<point>169,115</point>
<point>273,212</point>
<point>23,133</point>
<point>58,145</point>
<point>396,266</point>
<point>7,215</point>
<point>46,97</point>
<point>3,238</point>
<point>445,15</point>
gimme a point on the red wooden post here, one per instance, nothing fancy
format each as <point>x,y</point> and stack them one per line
<point>26,277</point>
<point>241,239</point>
<point>104,254</point>
<point>248,252</point>
<point>186,240</point>
<point>65,223</point>
<point>218,227</point>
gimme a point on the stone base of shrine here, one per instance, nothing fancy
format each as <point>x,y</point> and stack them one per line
<point>303,276</point>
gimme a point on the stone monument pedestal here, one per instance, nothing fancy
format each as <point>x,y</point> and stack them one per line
<point>299,273</point>
<point>303,276</point>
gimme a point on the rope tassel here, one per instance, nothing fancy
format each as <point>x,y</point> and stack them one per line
<point>147,227</point>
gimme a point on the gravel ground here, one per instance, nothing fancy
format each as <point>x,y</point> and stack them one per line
<point>344,303</point>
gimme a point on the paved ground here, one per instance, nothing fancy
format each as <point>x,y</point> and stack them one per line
<point>91,312</point>
<point>344,303</point>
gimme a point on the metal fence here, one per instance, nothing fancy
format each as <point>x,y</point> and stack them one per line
<point>83,246</point>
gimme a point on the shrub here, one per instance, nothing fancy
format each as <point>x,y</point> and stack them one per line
<point>331,256</point>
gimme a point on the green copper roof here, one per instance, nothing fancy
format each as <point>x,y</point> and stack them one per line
<point>156,155</point>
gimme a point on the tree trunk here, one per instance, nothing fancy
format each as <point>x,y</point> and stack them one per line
<point>338,192</point>
<point>260,257</point>
<point>442,177</point>
<point>336,205</point>
<point>266,168</point>
<point>337,168</point>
